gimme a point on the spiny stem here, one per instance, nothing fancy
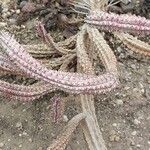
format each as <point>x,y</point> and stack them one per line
<point>134,44</point>
<point>114,22</point>
<point>70,82</point>
<point>62,140</point>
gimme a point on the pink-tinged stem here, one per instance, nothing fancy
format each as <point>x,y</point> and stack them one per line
<point>48,39</point>
<point>25,92</point>
<point>42,32</point>
<point>69,82</point>
<point>7,65</point>
<point>57,108</point>
<point>115,22</point>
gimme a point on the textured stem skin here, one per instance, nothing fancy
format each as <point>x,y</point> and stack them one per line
<point>57,108</point>
<point>103,50</point>
<point>74,83</point>
<point>49,40</point>
<point>134,44</point>
<point>62,140</point>
<point>90,126</point>
<point>7,66</point>
<point>114,22</point>
<point>25,93</point>
<point>70,82</point>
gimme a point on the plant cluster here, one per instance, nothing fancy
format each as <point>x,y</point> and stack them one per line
<point>75,64</point>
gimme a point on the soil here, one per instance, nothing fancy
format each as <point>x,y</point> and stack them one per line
<point>123,115</point>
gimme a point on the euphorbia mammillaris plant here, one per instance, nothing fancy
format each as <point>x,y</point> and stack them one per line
<point>88,44</point>
<point>70,82</point>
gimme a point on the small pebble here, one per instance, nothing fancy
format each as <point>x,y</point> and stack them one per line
<point>18,11</point>
<point>24,133</point>
<point>4,15</point>
<point>18,125</point>
<point>127,88</point>
<point>136,121</point>
<point>24,110</point>
<point>5,10</point>
<point>138,145</point>
<point>117,138</point>
<point>114,124</point>
<point>134,133</point>
<point>1,145</point>
<point>65,118</point>
<point>20,145</point>
<point>8,14</point>
<point>23,26</point>
<point>114,138</point>
<point>12,21</point>
<point>3,24</point>
<point>30,140</point>
<point>12,11</point>
<point>119,102</point>
<point>133,66</point>
<point>119,49</point>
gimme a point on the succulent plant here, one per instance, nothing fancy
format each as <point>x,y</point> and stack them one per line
<point>77,54</point>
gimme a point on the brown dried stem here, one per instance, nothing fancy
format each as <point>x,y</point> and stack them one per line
<point>134,44</point>
<point>90,125</point>
<point>62,140</point>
